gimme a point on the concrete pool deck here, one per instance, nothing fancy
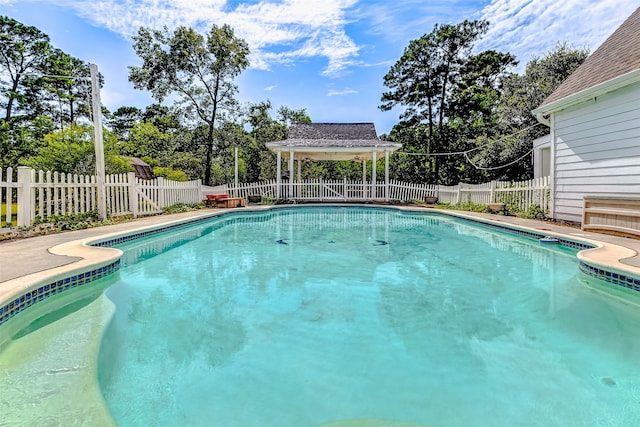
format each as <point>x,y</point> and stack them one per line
<point>27,261</point>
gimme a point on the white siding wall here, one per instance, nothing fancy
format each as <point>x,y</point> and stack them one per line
<point>542,156</point>
<point>597,151</point>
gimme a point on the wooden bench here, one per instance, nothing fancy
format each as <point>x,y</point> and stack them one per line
<point>212,199</point>
<point>230,202</point>
<point>613,215</point>
<point>224,201</point>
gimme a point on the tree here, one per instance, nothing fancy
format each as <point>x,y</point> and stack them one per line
<point>260,161</point>
<point>287,116</point>
<point>122,120</point>
<point>62,92</point>
<point>199,69</point>
<point>146,140</point>
<point>72,151</point>
<point>517,127</point>
<point>447,93</point>
<point>23,50</point>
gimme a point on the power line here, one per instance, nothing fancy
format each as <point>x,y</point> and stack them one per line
<point>497,167</point>
<point>57,76</point>
<point>454,153</point>
<point>465,153</point>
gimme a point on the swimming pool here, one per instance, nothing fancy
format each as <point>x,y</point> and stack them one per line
<point>312,316</point>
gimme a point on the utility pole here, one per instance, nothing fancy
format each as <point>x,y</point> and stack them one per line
<point>98,141</point>
<point>236,169</point>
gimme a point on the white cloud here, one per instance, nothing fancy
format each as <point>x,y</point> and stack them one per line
<point>276,31</point>
<point>532,28</point>
<point>401,21</point>
<point>343,92</point>
<point>270,88</point>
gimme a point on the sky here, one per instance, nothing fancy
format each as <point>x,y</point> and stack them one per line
<point>326,56</point>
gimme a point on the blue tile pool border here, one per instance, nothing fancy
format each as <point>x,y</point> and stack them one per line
<point>33,296</point>
<point>615,278</point>
<point>624,280</point>
<point>44,291</point>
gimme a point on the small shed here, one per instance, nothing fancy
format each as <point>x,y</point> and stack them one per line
<point>332,141</point>
<point>141,168</point>
<point>594,123</point>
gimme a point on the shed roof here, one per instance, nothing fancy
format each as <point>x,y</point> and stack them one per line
<point>617,56</point>
<point>142,169</point>
<point>332,141</point>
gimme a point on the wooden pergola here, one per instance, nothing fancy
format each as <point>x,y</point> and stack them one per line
<point>356,142</point>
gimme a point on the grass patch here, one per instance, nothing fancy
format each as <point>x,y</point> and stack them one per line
<point>3,215</point>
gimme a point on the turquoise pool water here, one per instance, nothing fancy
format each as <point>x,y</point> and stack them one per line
<point>309,316</point>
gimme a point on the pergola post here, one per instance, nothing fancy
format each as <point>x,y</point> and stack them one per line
<point>386,174</point>
<point>292,175</point>
<point>278,173</point>
<point>299,176</point>
<point>364,179</point>
<point>374,182</point>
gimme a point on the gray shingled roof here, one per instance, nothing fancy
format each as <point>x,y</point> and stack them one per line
<point>332,135</point>
<point>618,55</point>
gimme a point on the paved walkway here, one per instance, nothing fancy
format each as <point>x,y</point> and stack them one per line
<point>31,255</point>
<point>22,257</point>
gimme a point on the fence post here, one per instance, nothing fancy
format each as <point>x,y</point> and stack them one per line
<point>345,192</point>
<point>133,193</point>
<point>24,197</point>
<point>492,195</point>
<point>161,189</point>
<point>459,195</point>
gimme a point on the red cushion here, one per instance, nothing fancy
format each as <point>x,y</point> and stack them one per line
<point>217,196</point>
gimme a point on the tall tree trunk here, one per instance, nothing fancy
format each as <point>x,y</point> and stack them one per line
<point>430,100</point>
<point>212,123</point>
<point>71,116</point>
<point>14,88</point>
<point>209,158</point>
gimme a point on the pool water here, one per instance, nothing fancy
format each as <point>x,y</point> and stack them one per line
<point>301,317</point>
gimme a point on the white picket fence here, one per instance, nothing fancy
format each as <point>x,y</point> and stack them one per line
<point>338,190</point>
<point>45,195</point>
<point>521,195</point>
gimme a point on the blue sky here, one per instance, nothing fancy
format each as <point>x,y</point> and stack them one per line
<point>328,56</point>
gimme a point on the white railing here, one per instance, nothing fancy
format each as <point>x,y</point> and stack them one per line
<point>47,194</point>
<point>339,190</point>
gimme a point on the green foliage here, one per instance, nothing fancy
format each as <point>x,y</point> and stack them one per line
<point>146,140</point>
<point>259,160</point>
<point>170,174</point>
<point>448,96</point>
<point>181,207</point>
<point>23,49</point>
<point>267,200</point>
<point>72,151</point>
<point>534,212</point>
<point>199,69</point>
<point>122,121</point>
<point>71,222</point>
<point>465,206</point>
<point>62,92</point>
<point>517,127</point>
